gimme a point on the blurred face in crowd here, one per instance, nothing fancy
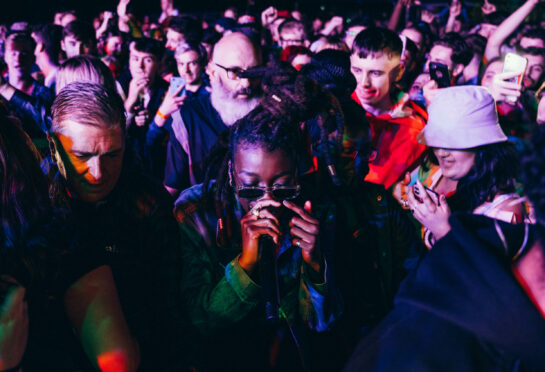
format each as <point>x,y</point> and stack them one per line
<point>534,71</point>
<point>351,34</point>
<point>257,167</point>
<point>142,64</point>
<point>418,83</point>
<point>375,76</point>
<point>530,42</point>
<point>114,45</point>
<point>189,67</point>
<point>233,95</point>
<point>19,57</point>
<point>75,47</point>
<point>455,164</point>
<point>89,157</point>
<point>491,70</point>
<point>291,37</point>
<point>173,39</point>
<point>415,36</point>
<point>443,54</point>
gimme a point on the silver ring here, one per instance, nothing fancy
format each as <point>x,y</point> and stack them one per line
<point>405,203</point>
<point>298,243</point>
<point>255,212</point>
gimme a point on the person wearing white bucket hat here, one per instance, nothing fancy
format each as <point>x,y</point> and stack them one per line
<point>477,166</point>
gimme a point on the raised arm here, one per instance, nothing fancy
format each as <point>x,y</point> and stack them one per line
<point>93,308</point>
<point>396,14</point>
<point>506,28</point>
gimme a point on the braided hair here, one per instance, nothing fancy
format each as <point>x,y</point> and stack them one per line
<point>289,99</point>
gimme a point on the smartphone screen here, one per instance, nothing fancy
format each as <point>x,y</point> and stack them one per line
<point>515,63</point>
<point>175,83</point>
<point>439,72</point>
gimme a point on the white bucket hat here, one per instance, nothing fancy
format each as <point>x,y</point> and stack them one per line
<point>462,118</point>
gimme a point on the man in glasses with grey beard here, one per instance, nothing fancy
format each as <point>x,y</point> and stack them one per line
<point>196,126</point>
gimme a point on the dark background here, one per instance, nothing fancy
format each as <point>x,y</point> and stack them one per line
<point>42,11</point>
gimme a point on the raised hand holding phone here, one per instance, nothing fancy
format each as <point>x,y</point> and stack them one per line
<point>514,64</point>
<point>174,98</point>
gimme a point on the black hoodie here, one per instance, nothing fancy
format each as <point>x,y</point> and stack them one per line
<point>462,310</point>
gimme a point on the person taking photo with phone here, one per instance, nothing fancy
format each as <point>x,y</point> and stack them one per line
<point>475,167</point>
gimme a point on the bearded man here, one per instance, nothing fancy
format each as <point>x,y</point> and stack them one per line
<point>197,124</point>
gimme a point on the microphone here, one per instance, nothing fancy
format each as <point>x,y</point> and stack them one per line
<point>268,275</point>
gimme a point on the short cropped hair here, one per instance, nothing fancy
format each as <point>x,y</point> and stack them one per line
<point>151,46</point>
<point>21,37</point>
<point>87,104</point>
<point>80,30</point>
<point>50,36</point>
<point>375,41</point>
<point>461,52</point>
<point>292,25</point>
<point>188,46</point>
<point>85,68</point>
<point>187,26</point>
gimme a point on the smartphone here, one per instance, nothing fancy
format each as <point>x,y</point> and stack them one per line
<point>515,63</point>
<point>175,83</point>
<point>439,72</point>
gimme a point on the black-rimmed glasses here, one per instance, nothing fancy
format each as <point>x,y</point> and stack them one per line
<point>277,192</point>
<point>233,73</point>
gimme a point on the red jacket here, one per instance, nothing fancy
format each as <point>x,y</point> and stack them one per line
<point>394,140</point>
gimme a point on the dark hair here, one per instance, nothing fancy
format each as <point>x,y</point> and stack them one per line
<point>375,41</point>
<point>534,33</point>
<point>461,52</point>
<point>494,172</point>
<point>151,46</point>
<point>533,173</point>
<point>210,36</point>
<point>495,18</point>
<point>188,26</point>
<point>24,198</point>
<point>50,36</point>
<point>89,104</point>
<point>533,51</point>
<point>289,99</point>
<point>80,30</point>
<point>477,43</point>
<point>21,37</point>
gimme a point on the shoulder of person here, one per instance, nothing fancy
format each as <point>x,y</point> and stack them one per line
<point>191,200</point>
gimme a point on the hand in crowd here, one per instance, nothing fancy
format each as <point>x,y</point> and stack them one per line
<point>171,104</point>
<point>488,8</point>
<point>502,88</point>
<point>268,16</point>
<point>137,86</point>
<point>541,112</point>
<point>13,327</point>
<point>427,16</point>
<point>430,210</point>
<point>401,189</point>
<point>304,229</point>
<point>455,8</point>
<point>333,27</point>
<point>258,221</point>
<point>141,117</point>
<point>430,90</point>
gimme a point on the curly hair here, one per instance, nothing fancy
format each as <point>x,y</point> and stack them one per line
<point>494,172</point>
<point>289,99</point>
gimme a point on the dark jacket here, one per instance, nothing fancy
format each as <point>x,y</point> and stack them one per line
<point>461,310</point>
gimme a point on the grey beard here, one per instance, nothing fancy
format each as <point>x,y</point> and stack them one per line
<point>229,108</point>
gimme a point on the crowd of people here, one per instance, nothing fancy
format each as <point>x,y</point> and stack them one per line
<point>274,190</point>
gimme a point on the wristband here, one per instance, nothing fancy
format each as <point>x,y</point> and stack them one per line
<point>161,115</point>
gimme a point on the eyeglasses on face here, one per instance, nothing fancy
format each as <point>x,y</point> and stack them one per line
<point>277,192</point>
<point>233,73</point>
